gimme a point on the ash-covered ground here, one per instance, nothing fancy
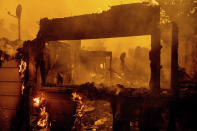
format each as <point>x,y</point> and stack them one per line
<point>97,115</point>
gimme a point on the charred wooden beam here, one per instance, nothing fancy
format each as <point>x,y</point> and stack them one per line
<point>110,66</point>
<point>96,53</point>
<point>174,57</point>
<point>155,61</point>
<point>34,52</point>
<point>174,77</point>
<point>119,21</point>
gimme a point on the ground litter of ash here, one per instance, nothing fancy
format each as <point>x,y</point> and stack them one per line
<point>97,115</point>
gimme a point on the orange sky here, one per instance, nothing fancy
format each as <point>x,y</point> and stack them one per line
<point>34,10</point>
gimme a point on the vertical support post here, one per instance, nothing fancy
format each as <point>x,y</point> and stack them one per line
<point>155,61</point>
<point>19,28</point>
<point>31,64</point>
<point>35,65</point>
<point>174,77</point>
<point>39,45</point>
<point>38,78</point>
<point>174,57</point>
<point>155,54</point>
<point>35,57</point>
<point>110,67</point>
<point>77,59</point>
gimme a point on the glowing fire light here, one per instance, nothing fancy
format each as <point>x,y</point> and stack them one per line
<point>102,66</point>
<point>22,66</point>
<point>93,75</point>
<point>22,88</point>
<point>77,97</point>
<point>36,101</point>
<point>80,108</point>
<point>43,121</point>
<point>2,58</point>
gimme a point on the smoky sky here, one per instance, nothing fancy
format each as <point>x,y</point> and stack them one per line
<point>34,10</point>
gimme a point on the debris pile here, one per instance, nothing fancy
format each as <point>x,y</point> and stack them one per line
<point>92,114</point>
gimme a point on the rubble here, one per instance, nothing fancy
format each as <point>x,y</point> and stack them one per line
<point>98,116</point>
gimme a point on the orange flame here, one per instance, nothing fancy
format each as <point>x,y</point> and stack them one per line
<point>43,121</point>
<point>77,97</point>
<point>22,88</point>
<point>2,58</point>
<point>36,101</point>
<point>22,66</point>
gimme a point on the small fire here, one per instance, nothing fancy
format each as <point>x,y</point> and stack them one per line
<point>22,89</point>
<point>80,108</point>
<point>77,97</point>
<point>22,66</point>
<point>44,117</point>
<point>102,66</point>
<point>2,58</point>
<point>36,101</point>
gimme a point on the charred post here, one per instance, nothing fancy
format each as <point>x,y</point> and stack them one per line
<point>154,55</point>
<point>174,57</point>
<point>110,67</point>
<point>174,77</point>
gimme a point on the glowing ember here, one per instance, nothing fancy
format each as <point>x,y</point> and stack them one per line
<point>36,101</point>
<point>22,88</point>
<point>102,66</point>
<point>2,58</point>
<point>93,75</point>
<point>100,121</point>
<point>44,116</point>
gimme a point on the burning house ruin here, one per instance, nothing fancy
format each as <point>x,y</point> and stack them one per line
<point>65,87</point>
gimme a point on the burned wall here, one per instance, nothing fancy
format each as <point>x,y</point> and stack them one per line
<point>122,20</point>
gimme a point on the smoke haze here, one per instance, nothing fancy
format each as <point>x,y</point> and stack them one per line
<point>34,10</point>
